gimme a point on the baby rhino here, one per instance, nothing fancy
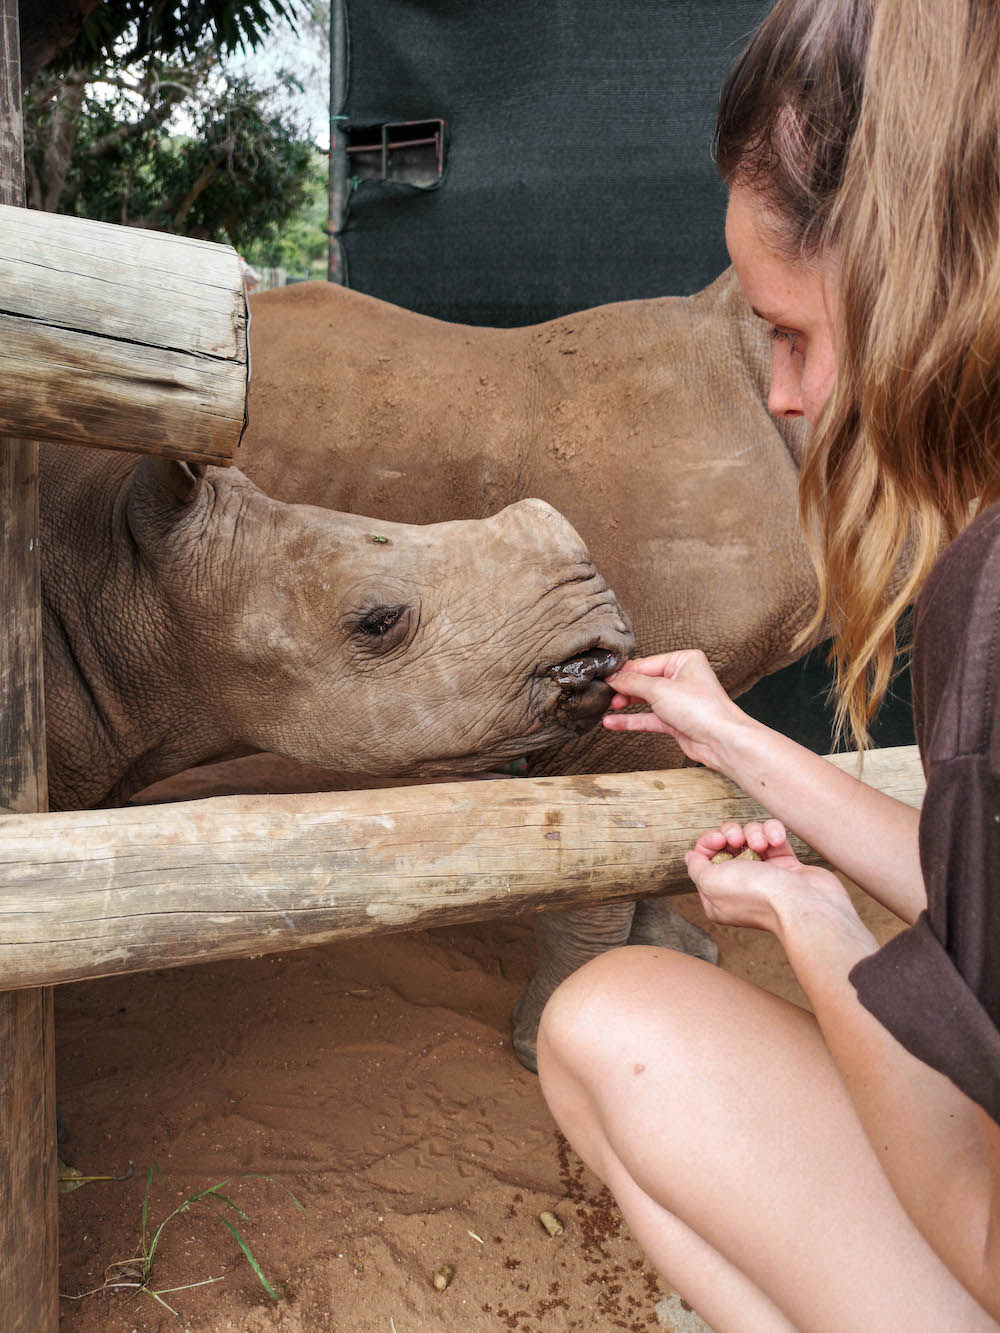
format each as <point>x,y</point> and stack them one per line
<point>189,617</point>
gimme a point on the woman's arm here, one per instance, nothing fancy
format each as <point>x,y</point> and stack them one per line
<point>940,1150</point>
<point>870,837</point>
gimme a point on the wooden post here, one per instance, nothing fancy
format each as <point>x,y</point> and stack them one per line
<point>29,1255</point>
<point>118,338</point>
<point>97,892</point>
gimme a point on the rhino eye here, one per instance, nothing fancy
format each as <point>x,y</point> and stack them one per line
<point>379,620</point>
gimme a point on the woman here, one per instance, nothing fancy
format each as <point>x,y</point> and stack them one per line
<point>842,1172</point>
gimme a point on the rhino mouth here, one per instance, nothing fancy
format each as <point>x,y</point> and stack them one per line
<point>583,698</point>
<point>584,695</point>
<point>578,672</point>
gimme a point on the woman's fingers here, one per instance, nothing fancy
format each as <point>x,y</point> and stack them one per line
<point>764,838</point>
<point>631,688</point>
<point>698,863</point>
<point>636,722</point>
<point>769,839</point>
<point>682,691</point>
<point>658,665</point>
<point>652,668</point>
<point>711,841</point>
<point>733,833</point>
<point>635,684</point>
<point>776,834</point>
<point>756,838</point>
<point>669,665</point>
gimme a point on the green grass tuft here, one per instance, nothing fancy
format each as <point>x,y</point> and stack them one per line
<point>136,1274</point>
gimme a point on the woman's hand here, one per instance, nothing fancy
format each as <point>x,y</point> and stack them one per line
<point>686,700</point>
<point>764,894</point>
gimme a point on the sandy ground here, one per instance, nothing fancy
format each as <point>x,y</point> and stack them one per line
<point>376,1082</point>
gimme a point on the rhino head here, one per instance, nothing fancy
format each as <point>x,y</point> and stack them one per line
<point>370,647</point>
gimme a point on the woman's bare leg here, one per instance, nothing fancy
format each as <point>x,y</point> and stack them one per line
<point>713,1112</point>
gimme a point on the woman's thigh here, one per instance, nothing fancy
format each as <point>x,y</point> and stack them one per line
<point>714,1112</point>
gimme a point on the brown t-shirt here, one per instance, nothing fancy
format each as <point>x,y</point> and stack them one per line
<point>936,987</point>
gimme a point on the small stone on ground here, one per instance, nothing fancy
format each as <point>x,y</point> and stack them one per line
<point>673,1313</point>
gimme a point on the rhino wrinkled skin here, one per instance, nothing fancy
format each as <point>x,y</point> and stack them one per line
<point>188,616</point>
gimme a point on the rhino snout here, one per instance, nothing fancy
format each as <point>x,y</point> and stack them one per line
<point>579,671</point>
<point>584,696</point>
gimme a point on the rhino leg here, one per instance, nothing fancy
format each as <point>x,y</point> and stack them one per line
<point>658,922</point>
<point>566,940</point>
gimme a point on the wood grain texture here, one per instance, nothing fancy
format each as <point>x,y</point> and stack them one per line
<point>113,337</point>
<point>29,1247</point>
<point>22,720</point>
<point>93,893</point>
<point>29,1243</point>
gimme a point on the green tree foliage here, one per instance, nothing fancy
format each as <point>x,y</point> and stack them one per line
<point>98,144</point>
<point>300,245</point>
<point>79,34</point>
<point>245,171</point>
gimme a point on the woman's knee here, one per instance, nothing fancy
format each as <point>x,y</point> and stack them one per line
<point>581,1008</point>
<point>608,1007</point>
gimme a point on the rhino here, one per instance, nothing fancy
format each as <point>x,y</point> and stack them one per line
<point>645,422</point>
<point>189,616</point>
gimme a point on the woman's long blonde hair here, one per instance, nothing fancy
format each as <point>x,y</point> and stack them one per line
<point>872,130</point>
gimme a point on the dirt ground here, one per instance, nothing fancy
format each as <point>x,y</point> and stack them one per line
<point>376,1082</point>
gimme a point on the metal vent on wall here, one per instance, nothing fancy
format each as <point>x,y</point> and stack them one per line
<point>412,151</point>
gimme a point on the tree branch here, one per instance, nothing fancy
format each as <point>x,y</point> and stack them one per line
<point>59,151</point>
<point>106,81</point>
<point>152,120</point>
<point>33,185</point>
<point>159,112</point>
<point>124,133</point>
<point>181,210</point>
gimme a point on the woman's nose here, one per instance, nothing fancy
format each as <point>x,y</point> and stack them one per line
<point>785,398</point>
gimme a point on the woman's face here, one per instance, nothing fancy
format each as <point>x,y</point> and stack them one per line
<point>799,302</point>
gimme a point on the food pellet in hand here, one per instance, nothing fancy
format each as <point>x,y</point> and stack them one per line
<point>747,854</point>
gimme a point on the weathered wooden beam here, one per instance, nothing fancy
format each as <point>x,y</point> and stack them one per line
<point>29,1221</point>
<point>29,1247</point>
<point>119,338</point>
<point>98,892</point>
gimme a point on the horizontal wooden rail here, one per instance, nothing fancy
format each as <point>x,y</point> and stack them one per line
<point>99,892</point>
<point>119,338</point>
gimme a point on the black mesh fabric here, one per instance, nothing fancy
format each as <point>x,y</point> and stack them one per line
<point>578,164</point>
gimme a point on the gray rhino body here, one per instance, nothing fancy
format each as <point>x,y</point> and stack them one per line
<point>646,423</point>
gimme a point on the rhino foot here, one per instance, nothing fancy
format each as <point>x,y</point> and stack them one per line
<point>658,922</point>
<point>524,1032</point>
<point>567,940</point>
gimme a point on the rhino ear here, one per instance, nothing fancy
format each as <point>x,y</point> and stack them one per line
<point>169,479</point>
<point>159,491</point>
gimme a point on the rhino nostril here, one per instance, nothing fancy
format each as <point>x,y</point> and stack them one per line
<point>578,672</point>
